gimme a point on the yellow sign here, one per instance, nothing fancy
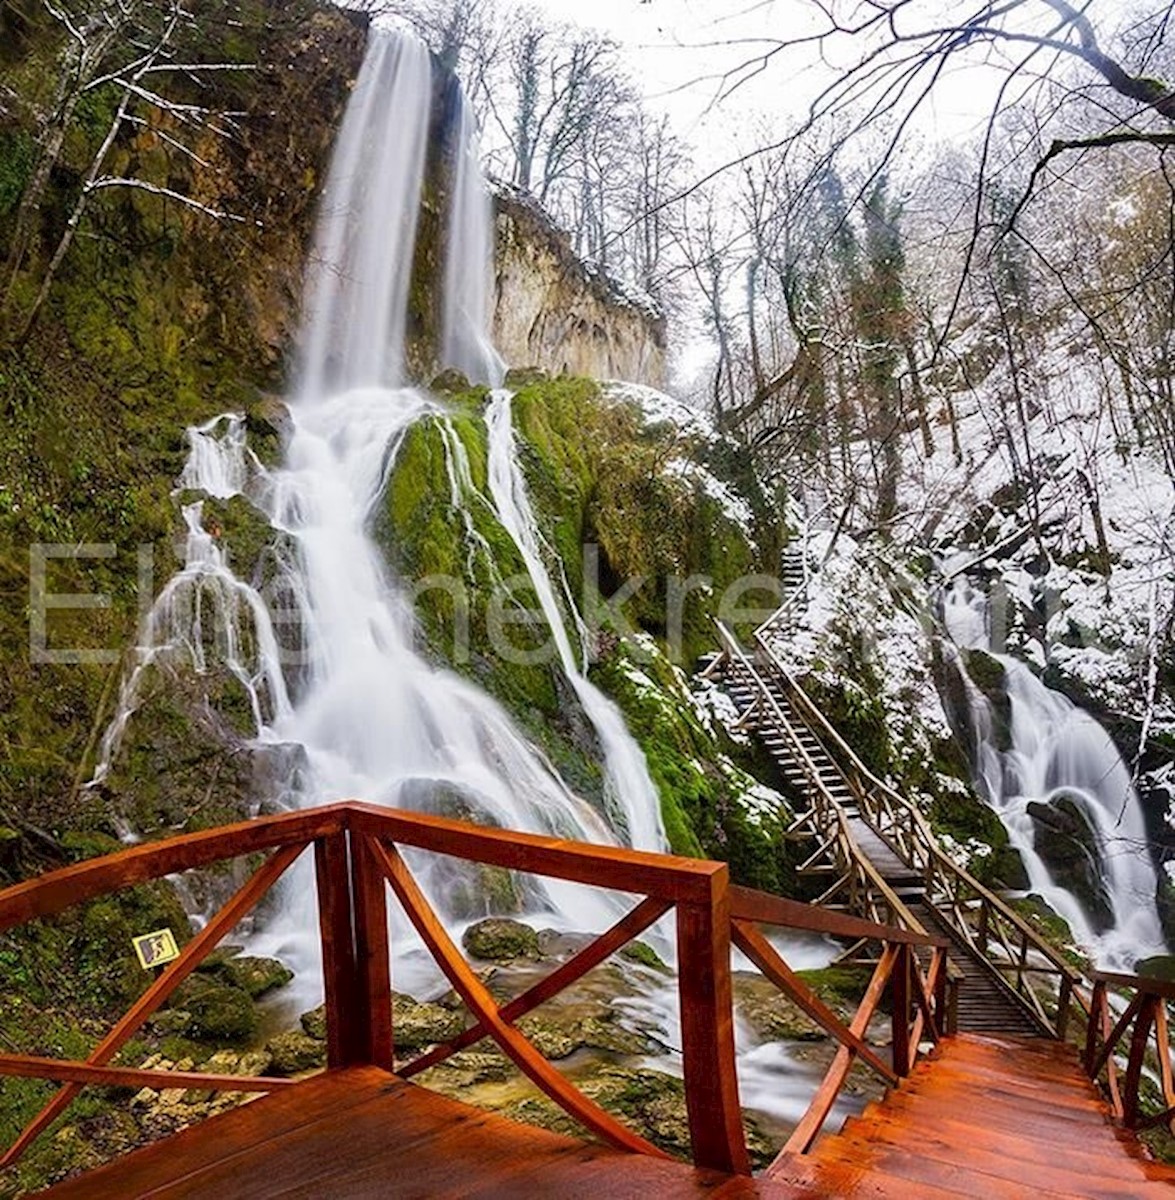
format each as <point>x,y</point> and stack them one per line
<point>155,949</point>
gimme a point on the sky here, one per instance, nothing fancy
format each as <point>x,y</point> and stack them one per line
<point>677,51</point>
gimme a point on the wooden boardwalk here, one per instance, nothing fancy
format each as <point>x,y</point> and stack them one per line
<point>985,1117</point>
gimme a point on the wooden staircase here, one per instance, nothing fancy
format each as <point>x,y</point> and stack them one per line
<point>764,703</point>
<point>985,1117</point>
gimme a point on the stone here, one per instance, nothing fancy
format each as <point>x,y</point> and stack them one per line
<point>217,1012</point>
<point>643,953</point>
<point>499,939</point>
<point>519,377</point>
<point>1062,837</point>
<point>416,1024</point>
<point>314,1023</point>
<point>295,1051</point>
<point>771,1015</point>
<point>449,382</point>
<point>257,976</point>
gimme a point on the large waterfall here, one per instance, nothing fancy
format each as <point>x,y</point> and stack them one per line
<point>1053,750</point>
<point>338,672</point>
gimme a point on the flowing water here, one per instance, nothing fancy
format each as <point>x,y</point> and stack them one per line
<point>630,789</point>
<point>376,719</point>
<point>467,300</point>
<point>1056,750</point>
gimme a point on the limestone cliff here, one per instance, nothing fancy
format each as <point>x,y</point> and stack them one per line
<point>552,312</point>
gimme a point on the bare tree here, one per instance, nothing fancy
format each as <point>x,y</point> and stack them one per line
<point>135,54</point>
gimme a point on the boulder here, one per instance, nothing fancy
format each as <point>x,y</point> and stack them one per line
<point>295,1051</point>
<point>1062,837</point>
<point>216,1011</point>
<point>499,939</point>
<point>416,1024</point>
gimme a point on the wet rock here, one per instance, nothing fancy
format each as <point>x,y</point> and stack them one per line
<point>416,1024</point>
<point>314,1023</point>
<point>295,1051</point>
<point>499,939</point>
<point>449,382</point>
<point>519,377</point>
<point>554,943</point>
<point>216,1012</point>
<point>643,953</point>
<point>772,1016</point>
<point>257,976</point>
<point>1062,837</point>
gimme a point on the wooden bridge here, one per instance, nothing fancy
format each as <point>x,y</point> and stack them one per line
<point>965,1113</point>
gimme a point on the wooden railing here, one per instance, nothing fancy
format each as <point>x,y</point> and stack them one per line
<point>1045,984</point>
<point>1140,1016</point>
<point>855,877</point>
<point>357,855</point>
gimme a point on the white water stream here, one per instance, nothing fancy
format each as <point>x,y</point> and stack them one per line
<point>630,788</point>
<point>1057,750</point>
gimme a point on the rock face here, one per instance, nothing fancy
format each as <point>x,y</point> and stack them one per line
<point>551,312</point>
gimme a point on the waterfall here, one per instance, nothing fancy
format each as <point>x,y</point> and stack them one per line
<point>1055,750</point>
<point>629,784</point>
<point>467,300</point>
<point>356,292</point>
<point>376,719</point>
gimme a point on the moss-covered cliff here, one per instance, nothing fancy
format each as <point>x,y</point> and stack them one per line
<point>159,317</point>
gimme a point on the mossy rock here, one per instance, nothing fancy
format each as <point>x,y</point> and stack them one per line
<point>295,1051</point>
<point>1064,840</point>
<point>643,953</point>
<point>253,975</point>
<point>449,382</point>
<point>840,987</point>
<point>772,1016</point>
<point>991,678</point>
<point>499,939</point>
<point>416,1024</point>
<point>314,1023</point>
<point>520,377</point>
<point>1158,966</point>
<point>217,1012</point>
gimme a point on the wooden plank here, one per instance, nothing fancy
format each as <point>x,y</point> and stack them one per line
<point>28,1066</point>
<point>629,926</point>
<point>372,955</point>
<point>662,875</point>
<point>173,975</point>
<point>706,992</point>
<point>746,904</point>
<point>343,1002</point>
<point>483,1006</point>
<point>47,894</point>
<point>1152,987</point>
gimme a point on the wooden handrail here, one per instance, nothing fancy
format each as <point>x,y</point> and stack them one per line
<point>1142,1019</point>
<point>944,878</point>
<point>859,864</point>
<point>357,858</point>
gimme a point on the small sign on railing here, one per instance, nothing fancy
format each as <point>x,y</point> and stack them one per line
<point>155,949</point>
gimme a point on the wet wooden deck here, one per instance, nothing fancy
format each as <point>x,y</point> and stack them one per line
<point>985,1117</point>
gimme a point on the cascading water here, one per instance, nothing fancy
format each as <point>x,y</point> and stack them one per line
<point>375,719</point>
<point>467,300</point>
<point>1055,751</point>
<point>630,786</point>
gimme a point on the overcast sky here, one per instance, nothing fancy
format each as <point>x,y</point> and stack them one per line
<point>677,51</point>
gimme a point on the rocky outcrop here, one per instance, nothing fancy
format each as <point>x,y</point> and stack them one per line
<point>553,312</point>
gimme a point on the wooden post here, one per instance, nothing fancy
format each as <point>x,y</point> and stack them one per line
<point>1064,998</point>
<point>707,1032</point>
<point>900,996</point>
<point>981,932</point>
<point>372,958</point>
<point>1134,1065</point>
<point>344,1003</point>
<point>1096,1005</point>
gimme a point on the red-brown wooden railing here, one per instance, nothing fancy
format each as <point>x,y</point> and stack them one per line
<point>357,859</point>
<point>1141,1016</point>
